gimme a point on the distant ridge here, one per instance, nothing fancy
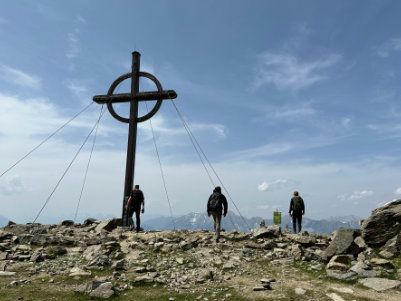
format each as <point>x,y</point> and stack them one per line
<point>199,221</point>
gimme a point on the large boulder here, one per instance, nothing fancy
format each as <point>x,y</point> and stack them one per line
<point>267,232</point>
<point>342,243</point>
<point>383,224</point>
<point>380,284</point>
<point>108,225</point>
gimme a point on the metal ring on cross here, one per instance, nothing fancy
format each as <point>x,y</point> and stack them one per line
<point>151,113</point>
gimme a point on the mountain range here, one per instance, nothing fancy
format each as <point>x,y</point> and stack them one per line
<point>199,221</point>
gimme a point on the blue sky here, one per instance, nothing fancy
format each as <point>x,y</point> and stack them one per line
<point>282,95</point>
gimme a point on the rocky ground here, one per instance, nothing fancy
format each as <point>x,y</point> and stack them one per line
<point>100,260</point>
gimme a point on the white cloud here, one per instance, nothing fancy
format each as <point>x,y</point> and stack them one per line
<point>171,133</point>
<point>73,44</point>
<point>278,148</point>
<point>77,87</point>
<point>356,195</point>
<point>389,46</point>
<point>42,116</point>
<point>81,19</point>
<point>288,72</point>
<point>388,130</point>
<point>346,122</point>
<point>19,77</point>
<point>276,184</point>
<point>362,194</point>
<point>398,190</point>
<point>294,113</point>
<point>13,184</point>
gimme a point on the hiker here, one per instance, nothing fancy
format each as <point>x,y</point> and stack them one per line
<point>297,209</point>
<point>134,204</point>
<point>215,208</point>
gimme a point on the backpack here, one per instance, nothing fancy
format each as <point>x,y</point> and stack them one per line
<point>214,203</point>
<point>297,204</point>
<point>137,197</point>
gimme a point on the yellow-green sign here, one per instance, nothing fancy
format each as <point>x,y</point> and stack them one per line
<point>277,217</point>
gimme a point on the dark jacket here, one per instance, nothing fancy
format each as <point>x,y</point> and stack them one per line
<point>292,205</point>
<point>137,199</point>
<point>222,203</point>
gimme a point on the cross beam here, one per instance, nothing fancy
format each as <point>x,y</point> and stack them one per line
<point>133,98</point>
<point>140,96</point>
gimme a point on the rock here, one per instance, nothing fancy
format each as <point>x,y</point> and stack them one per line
<point>10,223</point>
<point>340,262</point>
<point>384,263</point>
<point>6,274</point>
<point>348,275</point>
<point>180,260</point>
<point>267,280</point>
<point>363,270</point>
<point>92,252</point>
<point>77,272</point>
<point>393,245</point>
<point>303,239</point>
<point>119,265</point>
<point>380,284</point>
<point>89,221</point>
<point>103,291</point>
<point>342,243</point>
<point>296,251</point>
<point>383,224</point>
<point>3,255</point>
<point>261,288</point>
<point>335,297</point>
<point>344,290</point>
<point>108,225</point>
<point>144,279</point>
<point>67,223</point>
<point>360,242</point>
<point>206,275</point>
<point>386,254</point>
<point>37,256</point>
<point>267,232</point>
<point>300,291</point>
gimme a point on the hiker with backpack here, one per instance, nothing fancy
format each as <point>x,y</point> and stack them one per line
<point>135,202</point>
<point>217,206</point>
<point>297,209</point>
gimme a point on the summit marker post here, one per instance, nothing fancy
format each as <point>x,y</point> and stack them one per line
<point>134,97</point>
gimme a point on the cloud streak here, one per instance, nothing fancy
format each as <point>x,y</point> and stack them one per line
<point>19,78</point>
<point>286,71</point>
<point>388,47</point>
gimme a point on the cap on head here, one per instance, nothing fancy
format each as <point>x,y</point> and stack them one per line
<point>296,193</point>
<point>217,189</point>
<point>136,187</point>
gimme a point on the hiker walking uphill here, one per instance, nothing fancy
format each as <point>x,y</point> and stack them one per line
<point>135,202</point>
<point>297,209</point>
<point>217,206</point>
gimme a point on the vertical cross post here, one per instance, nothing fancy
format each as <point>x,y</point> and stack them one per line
<point>134,97</point>
<point>132,133</point>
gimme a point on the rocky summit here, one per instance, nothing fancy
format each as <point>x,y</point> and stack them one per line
<point>100,260</point>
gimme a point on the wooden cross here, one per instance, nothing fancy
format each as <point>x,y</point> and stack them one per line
<point>133,98</point>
